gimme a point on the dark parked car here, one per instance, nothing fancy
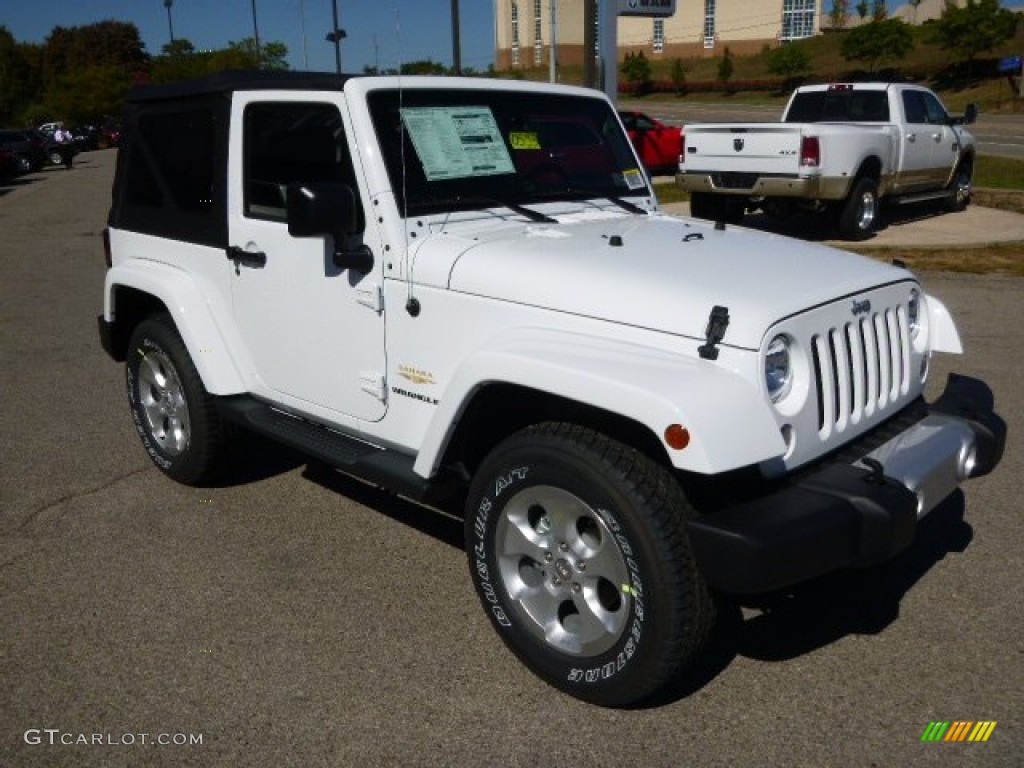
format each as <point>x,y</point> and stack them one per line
<point>86,137</point>
<point>57,153</point>
<point>26,146</point>
<point>8,165</point>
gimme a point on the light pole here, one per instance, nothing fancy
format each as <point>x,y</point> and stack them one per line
<point>256,35</point>
<point>456,48</point>
<point>336,35</point>
<point>170,25</point>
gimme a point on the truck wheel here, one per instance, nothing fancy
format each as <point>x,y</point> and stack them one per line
<point>960,187</point>
<point>578,550</point>
<point>859,212</point>
<point>173,413</point>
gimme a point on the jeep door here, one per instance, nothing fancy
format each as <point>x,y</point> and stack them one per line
<point>314,331</point>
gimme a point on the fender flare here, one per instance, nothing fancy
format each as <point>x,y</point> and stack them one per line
<point>943,334</point>
<point>200,322</point>
<point>728,419</point>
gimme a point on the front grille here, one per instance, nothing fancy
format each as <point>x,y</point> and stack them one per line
<point>734,180</point>
<point>861,368</point>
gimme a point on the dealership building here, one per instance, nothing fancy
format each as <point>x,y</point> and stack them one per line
<point>523,28</point>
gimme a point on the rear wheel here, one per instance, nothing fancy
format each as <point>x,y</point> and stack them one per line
<point>858,214</point>
<point>579,553</point>
<point>56,158</point>
<point>173,413</point>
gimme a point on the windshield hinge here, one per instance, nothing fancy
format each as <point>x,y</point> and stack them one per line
<point>718,321</point>
<point>371,296</point>
<point>372,382</point>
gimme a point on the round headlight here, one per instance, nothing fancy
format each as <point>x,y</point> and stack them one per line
<point>778,368</point>
<point>914,312</point>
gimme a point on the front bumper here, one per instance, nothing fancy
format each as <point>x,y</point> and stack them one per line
<point>853,514</point>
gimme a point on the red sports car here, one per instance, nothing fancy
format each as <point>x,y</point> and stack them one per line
<point>658,145</point>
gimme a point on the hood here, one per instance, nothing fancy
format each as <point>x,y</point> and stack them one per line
<point>658,272</point>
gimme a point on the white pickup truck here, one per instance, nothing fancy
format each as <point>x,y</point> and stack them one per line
<point>839,149</point>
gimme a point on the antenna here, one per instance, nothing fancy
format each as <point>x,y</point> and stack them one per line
<point>412,304</point>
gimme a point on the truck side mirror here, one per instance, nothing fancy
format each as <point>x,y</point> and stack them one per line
<point>970,113</point>
<point>321,209</point>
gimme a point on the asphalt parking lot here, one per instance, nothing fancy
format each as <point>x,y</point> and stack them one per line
<point>297,618</point>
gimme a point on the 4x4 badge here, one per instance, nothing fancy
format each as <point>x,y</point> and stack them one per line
<point>861,307</point>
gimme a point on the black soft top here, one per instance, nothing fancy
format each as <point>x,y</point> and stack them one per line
<point>240,80</point>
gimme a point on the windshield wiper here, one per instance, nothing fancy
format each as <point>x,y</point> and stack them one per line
<point>494,202</point>
<point>585,192</point>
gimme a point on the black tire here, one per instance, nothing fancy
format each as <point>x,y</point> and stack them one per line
<point>858,214</point>
<point>705,205</point>
<point>175,416</point>
<point>960,187</point>
<point>622,627</point>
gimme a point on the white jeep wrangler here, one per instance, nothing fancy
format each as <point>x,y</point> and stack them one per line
<point>457,285</point>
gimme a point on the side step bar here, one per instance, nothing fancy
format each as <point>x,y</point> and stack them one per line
<point>368,462</point>
<point>921,197</point>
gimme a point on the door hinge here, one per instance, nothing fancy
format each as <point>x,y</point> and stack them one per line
<point>371,296</point>
<point>372,382</point>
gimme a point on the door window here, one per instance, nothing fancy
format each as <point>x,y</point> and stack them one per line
<point>289,142</point>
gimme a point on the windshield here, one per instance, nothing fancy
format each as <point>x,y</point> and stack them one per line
<point>465,149</point>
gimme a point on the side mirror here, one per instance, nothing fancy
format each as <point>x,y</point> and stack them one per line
<point>322,209</point>
<point>970,113</point>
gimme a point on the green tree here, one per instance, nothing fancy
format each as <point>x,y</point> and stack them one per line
<point>878,10</point>
<point>423,67</point>
<point>678,76</point>
<point>790,61</point>
<point>975,28</point>
<point>88,94</point>
<point>878,41</point>
<point>243,55</point>
<point>725,66</point>
<point>17,78</point>
<point>636,68</point>
<point>862,9</point>
<point>180,47</point>
<point>837,16</point>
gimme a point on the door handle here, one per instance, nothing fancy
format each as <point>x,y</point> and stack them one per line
<point>936,137</point>
<point>911,137</point>
<point>248,258</point>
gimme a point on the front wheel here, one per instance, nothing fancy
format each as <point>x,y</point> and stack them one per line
<point>579,553</point>
<point>858,214</point>
<point>173,413</point>
<point>960,187</point>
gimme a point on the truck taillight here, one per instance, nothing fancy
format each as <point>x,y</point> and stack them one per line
<point>106,247</point>
<point>810,152</point>
<point>682,149</point>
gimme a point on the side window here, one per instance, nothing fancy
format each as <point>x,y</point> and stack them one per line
<point>179,148</point>
<point>289,142</point>
<point>914,108</point>
<point>933,108</point>
<point>171,178</point>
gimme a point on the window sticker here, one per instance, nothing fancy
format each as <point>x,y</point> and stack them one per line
<point>457,142</point>
<point>524,140</point>
<point>634,178</point>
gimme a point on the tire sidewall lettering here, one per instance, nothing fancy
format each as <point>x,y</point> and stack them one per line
<point>573,670</point>
<point>155,454</point>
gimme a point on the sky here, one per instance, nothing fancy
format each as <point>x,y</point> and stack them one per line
<point>382,32</point>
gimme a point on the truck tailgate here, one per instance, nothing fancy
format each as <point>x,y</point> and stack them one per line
<point>761,148</point>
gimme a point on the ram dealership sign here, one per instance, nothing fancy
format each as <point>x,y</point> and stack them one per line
<point>647,7</point>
